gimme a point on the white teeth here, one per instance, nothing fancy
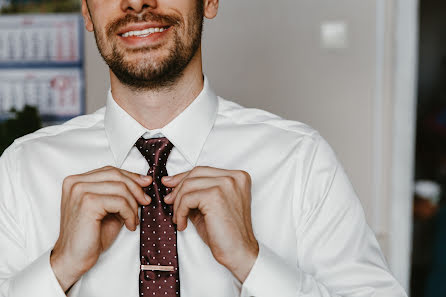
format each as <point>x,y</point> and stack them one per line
<point>143,33</point>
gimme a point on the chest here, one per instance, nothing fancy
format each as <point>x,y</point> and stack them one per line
<point>116,272</point>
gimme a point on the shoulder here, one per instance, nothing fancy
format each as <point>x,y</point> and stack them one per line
<point>293,139</point>
<point>241,116</point>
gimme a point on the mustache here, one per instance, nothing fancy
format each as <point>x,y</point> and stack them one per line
<point>168,20</point>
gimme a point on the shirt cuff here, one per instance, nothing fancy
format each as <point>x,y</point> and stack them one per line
<point>37,279</point>
<point>271,275</point>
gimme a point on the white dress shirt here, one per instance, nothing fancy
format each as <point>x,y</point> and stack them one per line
<point>313,237</point>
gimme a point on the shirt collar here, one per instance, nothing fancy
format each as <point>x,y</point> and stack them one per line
<point>187,131</point>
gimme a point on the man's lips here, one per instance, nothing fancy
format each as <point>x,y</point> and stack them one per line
<point>148,37</point>
<point>141,29</point>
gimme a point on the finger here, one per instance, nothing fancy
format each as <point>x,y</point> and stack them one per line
<point>102,205</point>
<point>177,188</point>
<point>147,180</point>
<point>143,180</point>
<point>171,197</point>
<point>118,175</point>
<point>191,184</point>
<point>189,201</point>
<point>119,205</point>
<point>107,188</point>
<point>174,180</point>
<point>199,171</point>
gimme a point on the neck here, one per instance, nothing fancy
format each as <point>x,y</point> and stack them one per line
<point>155,109</point>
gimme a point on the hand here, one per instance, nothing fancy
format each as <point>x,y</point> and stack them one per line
<point>218,202</point>
<point>94,207</point>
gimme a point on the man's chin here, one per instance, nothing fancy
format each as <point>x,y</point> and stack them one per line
<point>143,70</point>
<point>145,82</point>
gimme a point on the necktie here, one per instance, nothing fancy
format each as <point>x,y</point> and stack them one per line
<point>158,244</point>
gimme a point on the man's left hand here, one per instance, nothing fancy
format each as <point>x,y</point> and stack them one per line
<point>218,202</point>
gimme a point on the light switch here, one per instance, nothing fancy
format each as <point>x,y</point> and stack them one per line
<point>334,35</point>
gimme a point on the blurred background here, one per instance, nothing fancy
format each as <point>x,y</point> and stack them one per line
<point>369,75</point>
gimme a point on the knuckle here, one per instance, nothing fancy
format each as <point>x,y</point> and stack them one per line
<point>198,169</point>
<point>122,188</point>
<point>133,191</point>
<point>67,182</point>
<point>188,181</point>
<point>180,210</point>
<point>228,181</point>
<point>87,199</point>
<point>205,168</point>
<point>120,185</point>
<point>121,200</point>
<point>216,191</point>
<point>187,197</point>
<point>216,198</point>
<point>183,209</point>
<point>195,170</point>
<point>114,172</point>
<point>244,176</point>
<point>76,188</point>
<point>123,203</point>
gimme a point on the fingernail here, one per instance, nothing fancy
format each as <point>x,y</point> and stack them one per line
<point>167,197</point>
<point>147,197</point>
<point>167,178</point>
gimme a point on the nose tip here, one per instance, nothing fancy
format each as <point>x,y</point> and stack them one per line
<point>138,6</point>
<point>142,8</point>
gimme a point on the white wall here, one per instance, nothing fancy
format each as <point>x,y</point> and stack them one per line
<point>97,78</point>
<point>267,54</point>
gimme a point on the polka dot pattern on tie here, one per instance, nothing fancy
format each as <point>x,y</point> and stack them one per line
<point>157,231</point>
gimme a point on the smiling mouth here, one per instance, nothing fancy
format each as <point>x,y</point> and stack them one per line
<point>145,32</point>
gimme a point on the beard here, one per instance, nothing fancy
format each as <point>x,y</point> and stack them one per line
<point>149,74</point>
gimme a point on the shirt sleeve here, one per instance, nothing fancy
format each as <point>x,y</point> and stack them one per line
<point>338,254</point>
<point>20,275</point>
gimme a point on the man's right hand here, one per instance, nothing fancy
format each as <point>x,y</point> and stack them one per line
<point>95,205</point>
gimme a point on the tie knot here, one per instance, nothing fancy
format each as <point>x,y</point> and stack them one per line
<point>155,150</point>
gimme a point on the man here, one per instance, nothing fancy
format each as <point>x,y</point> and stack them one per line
<point>217,200</point>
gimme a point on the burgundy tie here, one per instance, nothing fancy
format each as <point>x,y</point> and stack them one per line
<point>158,234</point>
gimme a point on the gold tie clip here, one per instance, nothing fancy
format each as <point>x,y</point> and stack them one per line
<point>157,267</point>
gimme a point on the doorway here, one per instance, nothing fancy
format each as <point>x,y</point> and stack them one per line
<point>429,213</point>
